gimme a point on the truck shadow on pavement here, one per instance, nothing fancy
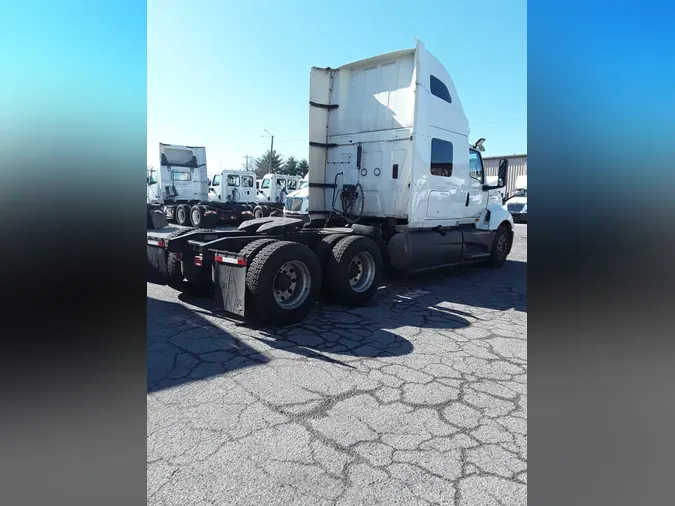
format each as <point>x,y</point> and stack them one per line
<point>474,286</point>
<point>183,347</point>
<point>327,329</point>
<point>193,348</point>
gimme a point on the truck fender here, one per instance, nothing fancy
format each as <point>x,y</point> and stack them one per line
<point>494,216</point>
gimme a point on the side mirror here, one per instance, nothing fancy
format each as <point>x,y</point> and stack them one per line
<point>212,190</point>
<point>503,172</point>
<point>502,176</point>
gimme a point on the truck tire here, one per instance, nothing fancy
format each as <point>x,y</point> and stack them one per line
<point>183,215</point>
<point>197,215</point>
<point>258,212</point>
<point>500,248</point>
<point>250,251</point>
<point>354,270</point>
<point>175,271</point>
<point>322,250</point>
<point>283,283</point>
<point>266,211</point>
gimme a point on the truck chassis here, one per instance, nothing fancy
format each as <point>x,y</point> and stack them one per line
<point>274,269</point>
<point>211,214</point>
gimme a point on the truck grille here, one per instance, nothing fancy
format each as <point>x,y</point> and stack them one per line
<point>297,205</point>
<point>515,208</point>
<point>293,204</point>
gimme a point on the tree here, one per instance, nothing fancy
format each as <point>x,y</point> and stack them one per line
<point>290,166</point>
<point>262,164</point>
<point>303,167</point>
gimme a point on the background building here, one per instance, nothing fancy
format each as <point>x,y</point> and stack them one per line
<point>517,167</point>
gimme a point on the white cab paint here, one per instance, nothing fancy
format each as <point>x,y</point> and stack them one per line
<point>181,177</point>
<point>275,187</point>
<point>233,186</point>
<point>386,106</point>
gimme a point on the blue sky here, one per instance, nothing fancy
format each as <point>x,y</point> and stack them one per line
<point>220,72</point>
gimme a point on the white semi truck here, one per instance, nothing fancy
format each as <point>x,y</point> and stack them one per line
<point>297,202</point>
<point>517,203</point>
<point>239,187</point>
<point>181,190</point>
<point>274,186</point>
<point>393,181</point>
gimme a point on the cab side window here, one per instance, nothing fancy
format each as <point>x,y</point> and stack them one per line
<point>439,89</point>
<point>441,158</point>
<point>265,184</point>
<point>475,166</point>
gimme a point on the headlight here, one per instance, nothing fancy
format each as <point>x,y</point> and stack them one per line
<point>524,209</point>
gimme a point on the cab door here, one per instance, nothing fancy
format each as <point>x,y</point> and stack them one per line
<point>215,189</point>
<point>476,198</point>
<point>265,187</point>
<point>447,177</point>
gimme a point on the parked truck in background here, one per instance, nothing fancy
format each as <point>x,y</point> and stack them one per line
<point>182,191</point>
<point>239,186</point>
<point>517,203</point>
<point>297,202</point>
<point>272,186</point>
<point>393,182</point>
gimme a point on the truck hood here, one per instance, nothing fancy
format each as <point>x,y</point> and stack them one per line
<point>303,193</point>
<point>517,200</point>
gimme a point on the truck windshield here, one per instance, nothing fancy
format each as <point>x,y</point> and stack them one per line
<point>179,157</point>
<point>181,176</point>
<point>304,184</point>
<point>521,193</point>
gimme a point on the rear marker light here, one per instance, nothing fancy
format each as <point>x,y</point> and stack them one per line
<point>198,261</point>
<point>159,244</point>
<point>230,260</point>
<point>178,256</point>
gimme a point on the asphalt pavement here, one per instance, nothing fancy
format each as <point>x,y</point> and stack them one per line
<point>418,398</point>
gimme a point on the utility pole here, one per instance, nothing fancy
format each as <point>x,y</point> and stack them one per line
<point>247,157</point>
<point>271,151</point>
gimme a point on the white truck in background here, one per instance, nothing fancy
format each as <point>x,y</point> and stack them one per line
<point>275,187</point>
<point>297,202</point>
<point>517,203</point>
<point>393,181</point>
<point>233,186</point>
<point>182,191</point>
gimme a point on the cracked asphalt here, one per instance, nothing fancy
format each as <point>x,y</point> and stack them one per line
<point>418,398</point>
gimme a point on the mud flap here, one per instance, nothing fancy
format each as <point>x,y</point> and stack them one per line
<point>156,219</point>
<point>156,265</point>
<point>230,288</point>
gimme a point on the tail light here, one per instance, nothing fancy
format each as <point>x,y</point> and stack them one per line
<point>159,243</point>
<point>230,260</point>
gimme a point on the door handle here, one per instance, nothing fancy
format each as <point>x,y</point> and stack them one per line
<point>467,199</point>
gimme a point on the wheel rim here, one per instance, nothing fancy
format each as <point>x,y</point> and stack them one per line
<point>362,271</point>
<point>291,284</point>
<point>195,215</point>
<point>501,247</point>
